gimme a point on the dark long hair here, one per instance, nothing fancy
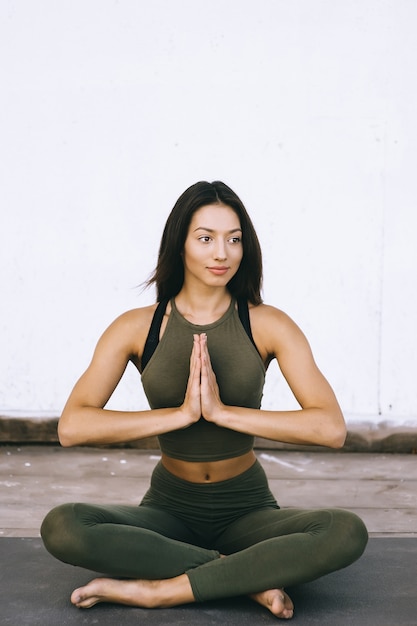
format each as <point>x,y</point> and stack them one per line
<point>169,273</point>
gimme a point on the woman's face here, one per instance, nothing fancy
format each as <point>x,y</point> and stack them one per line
<point>213,247</point>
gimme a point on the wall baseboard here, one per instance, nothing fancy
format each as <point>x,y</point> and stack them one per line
<point>363,436</point>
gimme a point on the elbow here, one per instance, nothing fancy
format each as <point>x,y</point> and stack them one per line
<point>332,431</point>
<point>337,442</point>
<point>338,437</point>
<point>65,440</point>
<point>66,435</point>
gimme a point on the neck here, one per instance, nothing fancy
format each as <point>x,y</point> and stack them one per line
<point>202,308</point>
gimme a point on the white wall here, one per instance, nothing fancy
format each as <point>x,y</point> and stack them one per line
<point>110,109</point>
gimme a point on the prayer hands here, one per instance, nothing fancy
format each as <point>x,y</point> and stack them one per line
<point>202,397</point>
<point>211,403</point>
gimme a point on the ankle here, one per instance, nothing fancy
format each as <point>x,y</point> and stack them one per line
<point>173,591</point>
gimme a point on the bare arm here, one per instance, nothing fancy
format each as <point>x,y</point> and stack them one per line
<point>319,421</point>
<point>85,420</point>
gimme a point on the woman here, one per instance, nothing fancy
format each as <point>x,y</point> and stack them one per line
<point>208,527</point>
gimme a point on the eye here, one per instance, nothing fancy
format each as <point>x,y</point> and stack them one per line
<point>235,239</point>
<point>204,239</point>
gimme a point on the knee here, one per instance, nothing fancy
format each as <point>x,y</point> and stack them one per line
<point>54,529</point>
<point>352,534</point>
<point>356,531</point>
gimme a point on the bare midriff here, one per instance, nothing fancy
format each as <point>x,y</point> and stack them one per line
<point>209,471</point>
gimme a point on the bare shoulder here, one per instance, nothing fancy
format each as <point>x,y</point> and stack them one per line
<point>273,329</point>
<point>273,319</point>
<point>130,329</point>
<point>135,318</point>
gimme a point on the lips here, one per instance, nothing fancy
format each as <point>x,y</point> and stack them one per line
<point>218,270</point>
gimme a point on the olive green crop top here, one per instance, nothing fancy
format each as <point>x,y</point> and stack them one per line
<point>240,374</point>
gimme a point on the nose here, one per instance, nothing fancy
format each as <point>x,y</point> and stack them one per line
<point>220,250</point>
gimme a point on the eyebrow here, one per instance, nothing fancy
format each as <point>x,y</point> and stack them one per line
<point>211,230</point>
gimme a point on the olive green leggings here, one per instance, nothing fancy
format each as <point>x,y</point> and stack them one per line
<point>183,527</point>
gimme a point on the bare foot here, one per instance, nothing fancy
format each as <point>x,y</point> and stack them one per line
<point>142,593</point>
<point>277,601</point>
<point>132,592</point>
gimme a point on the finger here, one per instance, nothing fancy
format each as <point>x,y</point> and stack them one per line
<point>204,352</point>
<point>208,377</point>
<point>205,355</point>
<point>196,350</point>
<point>203,345</point>
<point>192,398</point>
<point>195,361</point>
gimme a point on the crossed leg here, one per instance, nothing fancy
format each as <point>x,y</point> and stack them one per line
<point>264,552</point>
<point>164,593</point>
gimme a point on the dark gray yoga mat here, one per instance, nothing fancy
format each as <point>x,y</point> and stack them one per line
<point>378,590</point>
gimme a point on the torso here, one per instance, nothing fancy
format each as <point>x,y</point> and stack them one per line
<point>207,471</point>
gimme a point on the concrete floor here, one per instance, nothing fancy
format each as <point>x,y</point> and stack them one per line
<point>380,488</point>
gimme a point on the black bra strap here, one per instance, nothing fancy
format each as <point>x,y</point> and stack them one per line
<point>152,339</point>
<point>243,311</point>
